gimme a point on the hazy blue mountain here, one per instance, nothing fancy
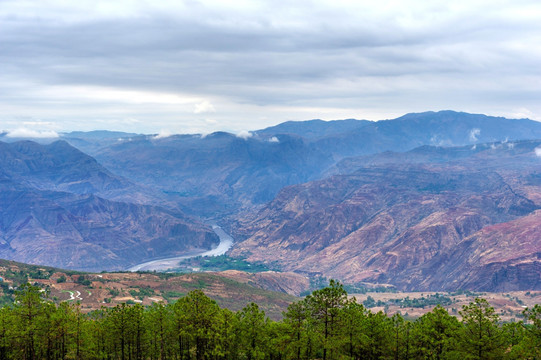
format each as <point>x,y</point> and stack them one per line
<point>5,137</point>
<point>57,166</point>
<point>439,154</point>
<point>61,167</point>
<point>49,213</point>
<point>221,173</point>
<point>312,129</point>
<point>216,173</point>
<point>99,135</point>
<point>444,128</point>
<point>86,232</point>
<point>92,141</point>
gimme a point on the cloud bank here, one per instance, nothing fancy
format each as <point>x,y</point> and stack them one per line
<point>89,64</point>
<point>32,134</point>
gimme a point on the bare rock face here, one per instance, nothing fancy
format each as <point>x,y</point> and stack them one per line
<point>501,257</point>
<point>417,225</point>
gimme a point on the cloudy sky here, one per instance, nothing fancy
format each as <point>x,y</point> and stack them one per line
<point>199,66</point>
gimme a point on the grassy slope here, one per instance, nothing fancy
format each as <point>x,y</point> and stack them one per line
<point>109,289</point>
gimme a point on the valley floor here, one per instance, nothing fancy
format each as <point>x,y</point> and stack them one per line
<point>225,244</point>
<point>508,306</point>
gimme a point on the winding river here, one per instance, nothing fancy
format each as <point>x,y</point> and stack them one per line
<point>226,242</point>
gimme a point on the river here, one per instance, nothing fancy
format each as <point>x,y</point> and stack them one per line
<point>226,241</point>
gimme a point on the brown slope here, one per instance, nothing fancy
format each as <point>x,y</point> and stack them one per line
<point>285,282</point>
<point>381,224</point>
<point>230,290</point>
<point>501,257</point>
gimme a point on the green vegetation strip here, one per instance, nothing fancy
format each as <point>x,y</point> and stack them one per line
<point>220,263</point>
<point>326,324</point>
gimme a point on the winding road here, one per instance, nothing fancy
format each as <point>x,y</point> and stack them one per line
<point>77,296</point>
<point>225,244</point>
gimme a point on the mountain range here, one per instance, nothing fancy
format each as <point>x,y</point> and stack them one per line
<point>221,173</point>
<point>431,218</point>
<point>428,201</point>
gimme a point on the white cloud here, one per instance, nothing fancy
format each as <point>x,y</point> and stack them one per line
<point>204,107</point>
<point>32,134</point>
<point>244,134</point>
<point>163,134</point>
<point>274,139</point>
<point>436,140</point>
<point>474,134</point>
<point>538,151</point>
<point>522,113</point>
<point>131,121</point>
<point>46,124</point>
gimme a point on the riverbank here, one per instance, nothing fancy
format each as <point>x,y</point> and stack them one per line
<point>226,241</point>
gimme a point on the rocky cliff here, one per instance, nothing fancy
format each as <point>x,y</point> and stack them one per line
<point>416,224</point>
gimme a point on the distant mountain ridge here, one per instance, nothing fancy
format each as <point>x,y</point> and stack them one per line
<point>221,173</point>
<point>443,128</point>
<point>435,200</point>
<point>314,129</point>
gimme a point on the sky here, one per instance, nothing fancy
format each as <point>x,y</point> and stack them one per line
<point>202,66</point>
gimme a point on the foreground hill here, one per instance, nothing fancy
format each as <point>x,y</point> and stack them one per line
<point>231,289</point>
<point>272,291</point>
<point>421,220</point>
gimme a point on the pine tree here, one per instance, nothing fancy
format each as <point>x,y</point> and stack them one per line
<point>253,334</point>
<point>481,338</point>
<point>296,320</point>
<point>325,309</point>
<point>200,317</point>
<point>354,321</point>
<point>435,335</point>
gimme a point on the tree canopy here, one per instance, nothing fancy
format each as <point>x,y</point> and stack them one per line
<point>326,324</point>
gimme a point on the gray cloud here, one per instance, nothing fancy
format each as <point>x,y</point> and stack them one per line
<point>311,59</point>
